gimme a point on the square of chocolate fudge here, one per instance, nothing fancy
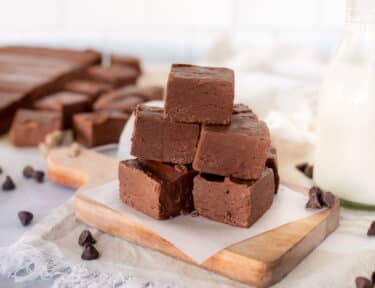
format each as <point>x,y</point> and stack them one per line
<point>99,128</point>
<point>272,162</point>
<point>158,139</point>
<point>127,60</point>
<point>30,127</point>
<point>157,189</point>
<point>239,149</point>
<point>67,103</point>
<point>198,94</point>
<point>148,93</point>
<point>232,201</point>
<point>114,75</point>
<point>90,88</point>
<point>117,101</point>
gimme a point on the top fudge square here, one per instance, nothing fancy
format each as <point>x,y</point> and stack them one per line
<point>198,94</point>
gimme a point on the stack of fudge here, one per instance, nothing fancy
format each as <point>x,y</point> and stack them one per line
<point>93,100</point>
<point>201,152</point>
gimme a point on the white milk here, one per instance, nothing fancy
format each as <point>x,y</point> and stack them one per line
<point>345,150</point>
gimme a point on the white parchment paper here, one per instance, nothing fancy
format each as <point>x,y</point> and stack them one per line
<point>198,237</point>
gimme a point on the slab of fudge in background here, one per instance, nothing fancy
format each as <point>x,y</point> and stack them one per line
<point>126,60</point>
<point>9,102</point>
<point>99,128</point>
<point>29,73</point>
<point>232,201</point>
<point>199,94</point>
<point>158,139</point>
<point>272,163</point>
<point>157,189</point>
<point>67,103</point>
<point>115,75</point>
<point>30,127</point>
<point>90,88</point>
<point>239,149</point>
<point>116,102</point>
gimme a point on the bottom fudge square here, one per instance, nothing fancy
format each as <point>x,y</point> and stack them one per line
<point>157,189</point>
<point>232,201</point>
<point>99,128</point>
<point>155,138</point>
<point>30,127</point>
<point>239,149</point>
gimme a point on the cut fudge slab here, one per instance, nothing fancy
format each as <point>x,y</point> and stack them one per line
<point>239,149</point>
<point>155,138</point>
<point>30,127</point>
<point>232,201</point>
<point>127,60</point>
<point>272,163</point>
<point>114,75</point>
<point>198,94</point>
<point>117,102</point>
<point>90,88</point>
<point>99,128</point>
<point>9,102</point>
<point>157,189</point>
<point>67,103</point>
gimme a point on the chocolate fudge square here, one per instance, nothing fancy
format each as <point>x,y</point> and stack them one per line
<point>114,75</point>
<point>90,88</point>
<point>9,103</point>
<point>117,102</point>
<point>239,149</point>
<point>272,162</point>
<point>198,94</point>
<point>67,103</point>
<point>127,60</point>
<point>157,189</point>
<point>158,139</point>
<point>148,93</point>
<point>232,201</point>
<point>99,128</point>
<point>30,127</point>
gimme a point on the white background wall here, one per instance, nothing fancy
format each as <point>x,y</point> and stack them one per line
<point>171,29</point>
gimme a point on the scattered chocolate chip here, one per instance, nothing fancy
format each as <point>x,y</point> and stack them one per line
<point>328,199</point>
<point>90,253</point>
<point>306,169</point>
<point>371,229</point>
<point>362,282</point>
<point>8,184</point>
<point>301,167</point>
<point>319,198</point>
<point>309,171</point>
<point>28,172</point>
<point>86,238</point>
<point>25,217</point>
<point>38,176</point>
<point>1,170</point>
<point>194,213</point>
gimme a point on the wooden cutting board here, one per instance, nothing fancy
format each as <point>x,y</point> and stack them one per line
<point>261,261</point>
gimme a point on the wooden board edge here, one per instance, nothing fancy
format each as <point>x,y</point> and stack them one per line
<point>223,263</point>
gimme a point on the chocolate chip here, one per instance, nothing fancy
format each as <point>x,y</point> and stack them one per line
<point>28,172</point>
<point>328,199</point>
<point>362,282</point>
<point>301,167</point>
<point>25,217</point>
<point>371,229</point>
<point>314,202</point>
<point>86,238</point>
<point>309,171</point>
<point>38,176</point>
<point>1,170</point>
<point>90,253</point>
<point>8,184</point>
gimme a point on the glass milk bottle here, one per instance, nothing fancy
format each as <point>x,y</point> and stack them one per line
<point>345,148</point>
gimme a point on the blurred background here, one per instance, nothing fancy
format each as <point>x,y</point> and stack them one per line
<point>169,30</point>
